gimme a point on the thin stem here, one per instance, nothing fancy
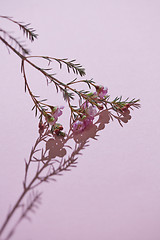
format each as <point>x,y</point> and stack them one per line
<point>12,48</point>
<point>59,82</point>
<point>26,84</point>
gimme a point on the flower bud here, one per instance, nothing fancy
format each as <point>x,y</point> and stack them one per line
<point>90,94</point>
<point>125,107</point>
<point>60,127</point>
<point>84,116</point>
<point>100,107</point>
<point>51,119</point>
<point>57,131</point>
<point>53,109</point>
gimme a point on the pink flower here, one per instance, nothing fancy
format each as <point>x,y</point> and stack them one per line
<point>87,119</point>
<point>53,117</point>
<point>102,91</point>
<point>78,126</point>
<point>57,112</point>
<point>91,111</point>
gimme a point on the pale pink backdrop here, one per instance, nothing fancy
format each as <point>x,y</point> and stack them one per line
<point>114,193</point>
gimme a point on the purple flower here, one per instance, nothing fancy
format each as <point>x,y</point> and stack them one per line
<point>78,126</point>
<point>102,91</point>
<point>57,112</point>
<point>53,117</point>
<point>91,111</point>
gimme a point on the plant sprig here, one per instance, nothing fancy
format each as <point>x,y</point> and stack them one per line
<point>18,44</point>
<point>84,95</point>
<point>95,96</point>
<point>29,32</point>
<point>118,104</point>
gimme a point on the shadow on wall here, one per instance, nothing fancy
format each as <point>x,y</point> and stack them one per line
<point>51,156</point>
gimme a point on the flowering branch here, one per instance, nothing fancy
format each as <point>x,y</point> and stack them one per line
<point>92,100</point>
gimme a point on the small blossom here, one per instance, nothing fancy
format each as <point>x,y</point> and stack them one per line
<point>91,111</point>
<point>57,112</point>
<point>101,91</point>
<point>53,116</point>
<point>86,117</point>
<point>78,126</point>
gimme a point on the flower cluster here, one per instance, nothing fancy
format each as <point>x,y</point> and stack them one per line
<point>87,112</point>
<point>87,115</point>
<point>101,92</point>
<point>52,117</point>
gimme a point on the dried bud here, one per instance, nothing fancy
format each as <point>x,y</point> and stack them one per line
<point>124,108</point>
<point>60,128</point>
<point>57,131</point>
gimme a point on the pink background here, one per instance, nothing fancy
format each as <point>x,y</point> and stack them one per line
<point>114,193</point>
